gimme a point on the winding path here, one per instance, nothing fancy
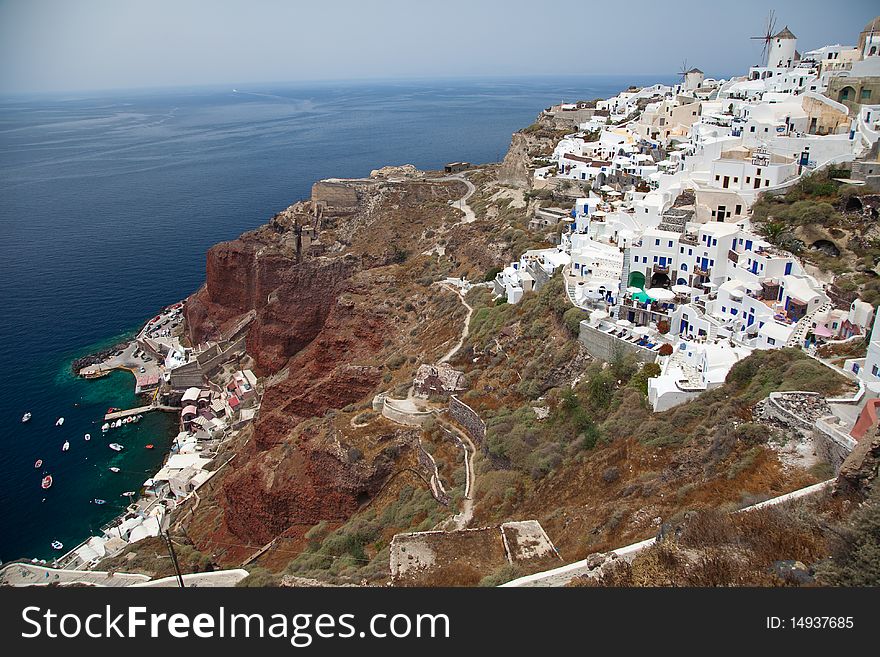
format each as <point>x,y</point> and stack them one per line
<point>462,203</point>
<point>465,329</point>
<point>463,518</point>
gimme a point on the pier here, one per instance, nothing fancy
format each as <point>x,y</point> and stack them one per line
<point>116,415</point>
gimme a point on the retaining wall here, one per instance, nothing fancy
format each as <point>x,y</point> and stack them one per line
<point>605,347</point>
<point>470,421</point>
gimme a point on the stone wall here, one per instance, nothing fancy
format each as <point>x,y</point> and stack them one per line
<point>405,416</point>
<point>808,414</point>
<point>470,422</point>
<point>334,195</point>
<point>605,347</point>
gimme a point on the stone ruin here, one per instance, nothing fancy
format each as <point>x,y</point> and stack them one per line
<point>439,379</point>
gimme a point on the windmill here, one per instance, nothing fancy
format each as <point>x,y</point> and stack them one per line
<point>767,37</point>
<point>684,71</point>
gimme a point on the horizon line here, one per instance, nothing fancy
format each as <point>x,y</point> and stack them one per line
<point>233,85</point>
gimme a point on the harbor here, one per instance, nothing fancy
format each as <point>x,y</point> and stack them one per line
<point>211,397</point>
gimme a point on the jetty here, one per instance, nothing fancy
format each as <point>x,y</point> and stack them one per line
<point>117,415</point>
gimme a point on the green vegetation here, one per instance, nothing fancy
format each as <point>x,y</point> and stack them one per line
<point>359,549</point>
<point>815,207</point>
<point>260,577</point>
<point>856,557</point>
<point>572,319</point>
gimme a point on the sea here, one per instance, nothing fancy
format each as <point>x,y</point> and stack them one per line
<point>108,203</point>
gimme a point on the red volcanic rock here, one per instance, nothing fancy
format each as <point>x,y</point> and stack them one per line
<point>292,298</point>
<point>301,486</point>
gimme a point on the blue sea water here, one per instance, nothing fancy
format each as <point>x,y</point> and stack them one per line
<point>107,206</point>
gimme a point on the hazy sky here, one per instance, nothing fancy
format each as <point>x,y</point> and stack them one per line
<point>66,45</point>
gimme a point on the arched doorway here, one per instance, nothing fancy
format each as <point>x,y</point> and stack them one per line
<point>847,93</point>
<point>637,279</point>
<point>660,280</point>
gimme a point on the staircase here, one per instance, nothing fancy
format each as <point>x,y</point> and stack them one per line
<point>690,373</point>
<point>804,325</point>
<point>674,220</point>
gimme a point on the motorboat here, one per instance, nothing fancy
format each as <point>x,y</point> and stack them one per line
<point>65,446</point>
<point>88,436</point>
<point>105,427</point>
<point>128,493</point>
<point>99,501</point>
<point>38,463</point>
<point>112,409</point>
<point>149,446</point>
<point>26,417</point>
<point>59,422</point>
<point>47,482</point>
<point>113,468</point>
<point>116,447</point>
<point>57,545</point>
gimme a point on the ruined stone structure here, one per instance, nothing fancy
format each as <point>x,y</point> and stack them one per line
<point>439,379</point>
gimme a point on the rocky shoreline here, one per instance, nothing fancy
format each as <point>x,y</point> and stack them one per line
<point>97,357</point>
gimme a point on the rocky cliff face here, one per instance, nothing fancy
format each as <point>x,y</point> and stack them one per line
<point>325,324</point>
<point>514,168</point>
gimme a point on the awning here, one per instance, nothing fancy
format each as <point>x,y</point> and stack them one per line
<point>661,294</point>
<point>822,332</point>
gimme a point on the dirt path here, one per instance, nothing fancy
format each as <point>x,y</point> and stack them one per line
<point>462,203</point>
<point>463,518</point>
<point>465,329</point>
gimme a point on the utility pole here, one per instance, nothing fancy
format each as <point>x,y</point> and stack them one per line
<point>173,558</point>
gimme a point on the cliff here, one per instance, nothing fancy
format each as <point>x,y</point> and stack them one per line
<point>336,299</point>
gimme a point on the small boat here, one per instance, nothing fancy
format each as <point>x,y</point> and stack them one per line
<point>47,482</point>
<point>59,422</point>
<point>65,446</point>
<point>38,463</point>
<point>112,409</point>
<point>116,446</point>
<point>88,436</point>
<point>57,545</point>
<point>26,417</point>
<point>149,446</point>
<point>113,468</point>
<point>99,501</point>
<point>128,493</point>
<point>105,427</point>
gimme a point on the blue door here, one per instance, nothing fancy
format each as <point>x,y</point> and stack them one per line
<point>787,268</point>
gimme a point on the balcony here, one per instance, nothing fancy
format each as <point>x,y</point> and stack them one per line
<point>661,269</point>
<point>688,239</point>
<point>699,271</point>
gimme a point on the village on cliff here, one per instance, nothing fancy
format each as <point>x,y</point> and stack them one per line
<point>660,251</point>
